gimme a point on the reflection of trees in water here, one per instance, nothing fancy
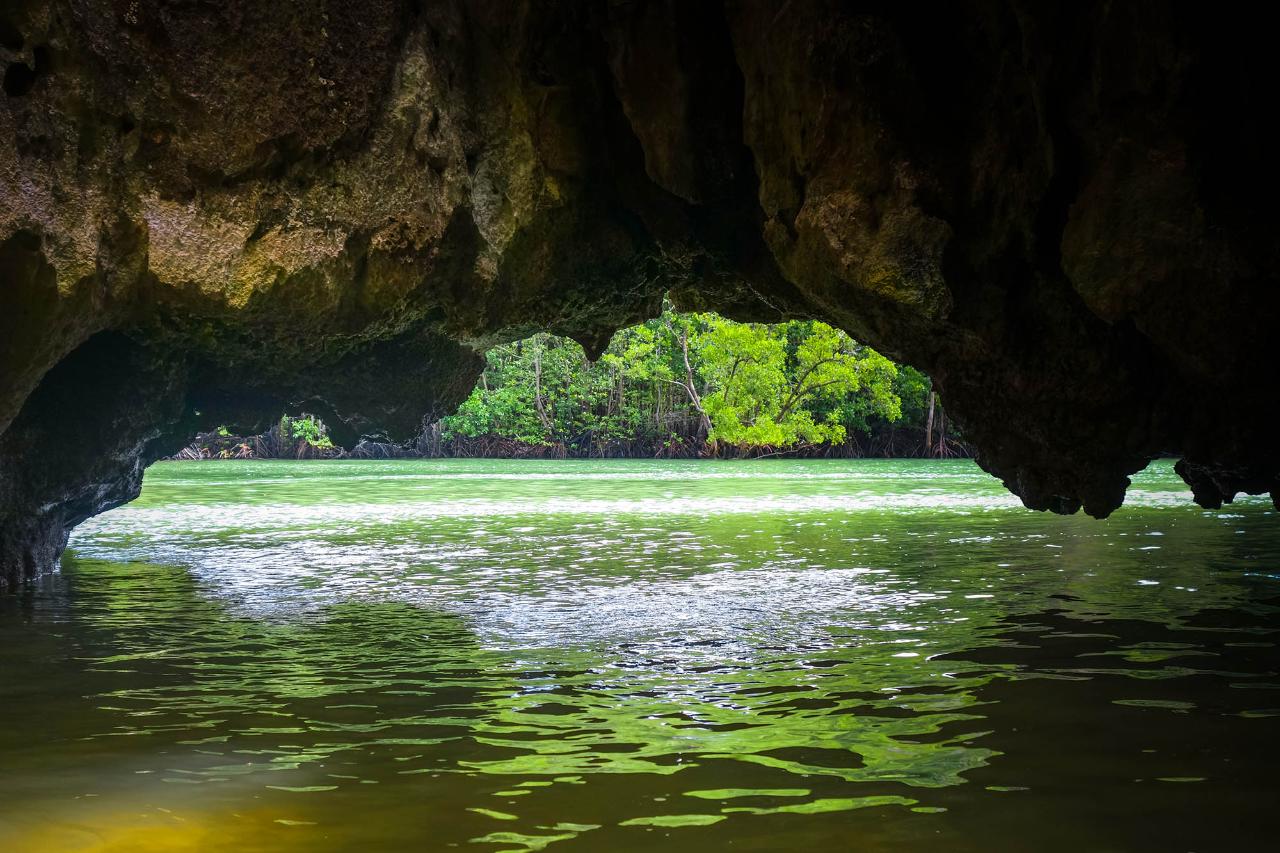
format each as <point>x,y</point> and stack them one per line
<point>381,675</point>
<point>388,680</point>
<point>171,666</point>
<point>775,680</point>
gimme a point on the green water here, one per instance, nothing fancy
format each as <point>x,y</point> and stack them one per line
<point>677,656</point>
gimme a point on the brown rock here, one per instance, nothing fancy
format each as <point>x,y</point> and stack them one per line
<point>207,212</point>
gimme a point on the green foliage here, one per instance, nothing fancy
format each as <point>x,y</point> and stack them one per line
<point>912,388</point>
<point>789,384</point>
<point>306,428</point>
<point>680,379</point>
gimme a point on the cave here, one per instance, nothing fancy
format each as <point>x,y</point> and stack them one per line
<point>315,226</point>
<point>1062,214</point>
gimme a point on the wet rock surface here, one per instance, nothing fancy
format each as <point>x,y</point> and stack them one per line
<point>209,213</point>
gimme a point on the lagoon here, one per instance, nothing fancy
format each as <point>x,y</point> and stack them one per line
<point>632,655</point>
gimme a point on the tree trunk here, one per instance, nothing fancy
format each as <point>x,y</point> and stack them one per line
<point>704,421</point>
<point>537,391</point>
<point>928,426</point>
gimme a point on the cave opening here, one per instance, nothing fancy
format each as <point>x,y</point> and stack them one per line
<point>20,78</point>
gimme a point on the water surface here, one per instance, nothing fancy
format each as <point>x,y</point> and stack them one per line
<point>642,655</point>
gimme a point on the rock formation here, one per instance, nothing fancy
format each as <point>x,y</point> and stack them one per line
<point>210,212</point>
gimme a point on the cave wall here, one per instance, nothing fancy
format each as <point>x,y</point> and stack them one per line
<point>209,212</point>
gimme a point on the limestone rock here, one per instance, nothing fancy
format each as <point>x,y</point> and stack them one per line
<point>212,211</point>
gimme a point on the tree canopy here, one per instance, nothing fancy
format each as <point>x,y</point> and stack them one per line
<point>677,385</point>
<point>684,383</point>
